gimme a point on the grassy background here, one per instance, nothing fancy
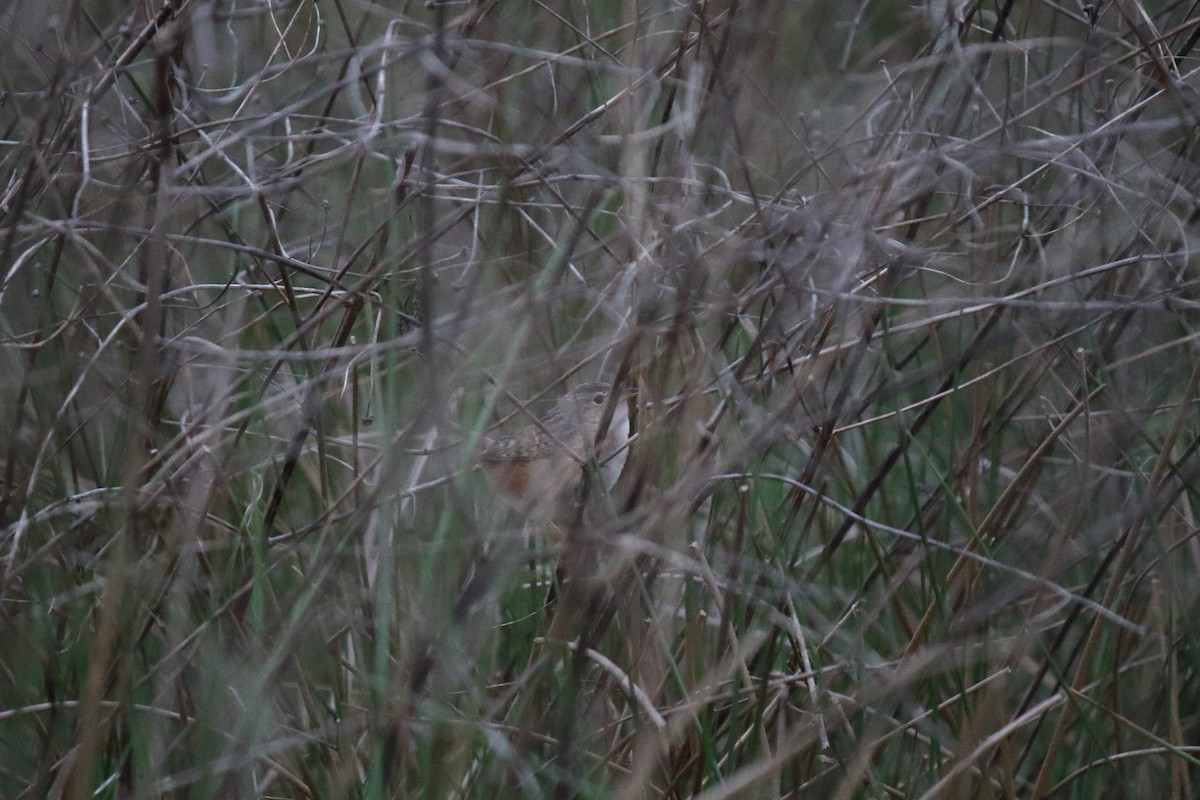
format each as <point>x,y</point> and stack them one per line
<point>909,296</point>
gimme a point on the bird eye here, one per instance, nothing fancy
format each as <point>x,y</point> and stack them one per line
<point>598,399</point>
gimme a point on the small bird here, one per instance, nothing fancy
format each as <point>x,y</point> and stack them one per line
<point>537,469</point>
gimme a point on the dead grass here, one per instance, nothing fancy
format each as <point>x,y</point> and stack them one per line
<point>909,297</point>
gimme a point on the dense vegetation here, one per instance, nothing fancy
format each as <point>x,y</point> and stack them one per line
<point>908,294</point>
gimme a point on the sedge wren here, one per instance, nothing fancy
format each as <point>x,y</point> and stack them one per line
<point>537,468</point>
